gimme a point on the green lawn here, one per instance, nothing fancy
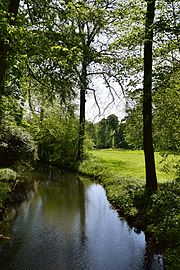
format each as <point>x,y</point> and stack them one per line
<point>130,163</point>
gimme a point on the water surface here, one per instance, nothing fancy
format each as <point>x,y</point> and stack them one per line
<point>68,224</point>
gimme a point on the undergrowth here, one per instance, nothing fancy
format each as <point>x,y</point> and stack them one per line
<point>7,179</point>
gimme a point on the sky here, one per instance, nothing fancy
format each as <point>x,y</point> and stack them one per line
<point>104,99</point>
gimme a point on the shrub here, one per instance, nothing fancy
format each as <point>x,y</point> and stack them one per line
<point>15,144</point>
<point>57,139</point>
<point>7,175</point>
<point>7,179</point>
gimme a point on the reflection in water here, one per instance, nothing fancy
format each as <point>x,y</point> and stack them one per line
<point>67,225</point>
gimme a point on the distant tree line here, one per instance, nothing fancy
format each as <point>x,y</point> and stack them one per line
<point>107,133</point>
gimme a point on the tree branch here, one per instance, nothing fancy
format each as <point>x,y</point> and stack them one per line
<point>95,98</point>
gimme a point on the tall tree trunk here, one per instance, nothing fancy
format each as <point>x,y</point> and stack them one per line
<point>151,179</point>
<point>4,48</point>
<point>83,88</point>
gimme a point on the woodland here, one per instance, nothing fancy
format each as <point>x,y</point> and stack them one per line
<point>52,52</point>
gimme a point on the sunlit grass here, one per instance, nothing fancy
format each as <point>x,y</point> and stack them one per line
<point>130,163</point>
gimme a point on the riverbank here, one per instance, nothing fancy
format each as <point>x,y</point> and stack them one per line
<point>8,181</point>
<point>157,214</point>
<point>14,188</point>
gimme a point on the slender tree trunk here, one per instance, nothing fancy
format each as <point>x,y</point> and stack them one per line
<point>83,89</point>
<point>151,179</point>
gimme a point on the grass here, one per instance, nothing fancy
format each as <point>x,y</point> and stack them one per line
<point>130,163</point>
<point>122,174</point>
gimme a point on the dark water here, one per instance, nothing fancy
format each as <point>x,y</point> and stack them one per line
<point>68,224</point>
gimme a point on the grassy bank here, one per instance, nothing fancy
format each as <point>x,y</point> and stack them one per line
<point>122,174</point>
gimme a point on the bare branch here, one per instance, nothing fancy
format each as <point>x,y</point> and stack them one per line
<point>95,98</point>
<point>120,84</point>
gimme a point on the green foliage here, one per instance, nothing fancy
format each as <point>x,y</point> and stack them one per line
<point>166,115</point>
<point>7,175</point>
<point>163,210</point>
<point>7,179</point>
<point>93,167</point>
<point>107,133</point>
<point>134,128</point>
<point>5,190</point>
<point>166,110</point>
<point>112,121</point>
<point>56,138</point>
<point>119,137</point>
<point>91,134</point>
<point>172,259</point>
<point>12,108</point>
<point>162,213</point>
<point>15,144</point>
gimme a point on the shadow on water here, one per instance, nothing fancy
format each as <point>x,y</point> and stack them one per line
<point>66,223</point>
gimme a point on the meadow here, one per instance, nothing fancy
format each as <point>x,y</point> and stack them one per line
<point>130,163</point>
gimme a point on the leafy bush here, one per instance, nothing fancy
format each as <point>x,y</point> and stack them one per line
<point>7,175</point>
<point>57,139</point>
<point>15,144</point>
<point>163,210</point>
<point>5,189</point>
<point>7,179</point>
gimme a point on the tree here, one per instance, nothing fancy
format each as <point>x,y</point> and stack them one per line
<point>8,20</point>
<point>112,122</point>
<point>166,113</point>
<point>75,57</point>
<point>10,17</point>
<point>90,19</point>
<point>151,179</point>
<point>56,136</point>
<point>119,136</point>
<point>91,131</point>
<point>103,134</point>
<point>134,127</point>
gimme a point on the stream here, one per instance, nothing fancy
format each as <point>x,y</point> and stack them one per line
<point>67,223</point>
